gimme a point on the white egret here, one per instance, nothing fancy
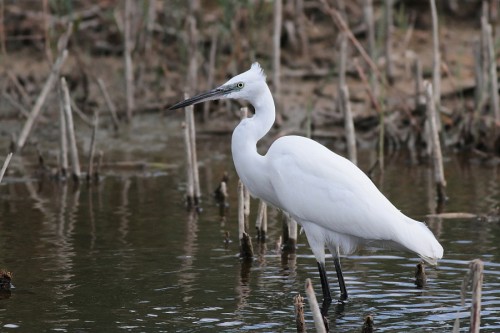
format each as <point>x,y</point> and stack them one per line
<point>337,205</point>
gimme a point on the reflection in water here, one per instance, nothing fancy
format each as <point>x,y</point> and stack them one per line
<point>243,288</point>
<point>187,276</point>
<point>123,211</point>
<point>126,256</point>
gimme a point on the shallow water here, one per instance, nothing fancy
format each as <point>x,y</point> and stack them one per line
<point>124,255</point>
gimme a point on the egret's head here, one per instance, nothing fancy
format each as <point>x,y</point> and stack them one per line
<point>243,86</point>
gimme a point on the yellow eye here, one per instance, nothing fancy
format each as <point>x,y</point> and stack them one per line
<point>240,85</point>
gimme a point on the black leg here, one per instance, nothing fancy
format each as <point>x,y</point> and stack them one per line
<point>340,277</point>
<point>327,298</point>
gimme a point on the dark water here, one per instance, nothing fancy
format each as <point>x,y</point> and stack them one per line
<point>124,255</point>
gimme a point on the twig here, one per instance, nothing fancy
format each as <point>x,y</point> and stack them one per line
<point>313,304</point>
<point>370,92</point>
<point>80,114</point>
<point>342,25</point>
<point>41,100</point>
<point>16,104</point>
<point>109,102</point>
<point>75,162</point>
<point>436,145</point>
<point>5,165</point>
<point>24,94</point>
<point>379,111</point>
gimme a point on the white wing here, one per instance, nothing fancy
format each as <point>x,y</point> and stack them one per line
<point>334,199</point>
<point>314,184</point>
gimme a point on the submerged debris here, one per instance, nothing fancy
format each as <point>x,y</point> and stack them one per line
<point>367,325</point>
<point>420,276</point>
<point>5,280</point>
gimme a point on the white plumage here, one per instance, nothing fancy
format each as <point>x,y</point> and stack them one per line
<point>338,206</point>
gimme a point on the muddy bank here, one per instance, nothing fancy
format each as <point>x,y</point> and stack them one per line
<point>184,46</point>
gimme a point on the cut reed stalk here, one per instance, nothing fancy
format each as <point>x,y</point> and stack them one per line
<point>277,20</point>
<point>194,155</point>
<point>75,162</point>
<point>298,303</point>
<point>313,304</point>
<point>63,139</point>
<point>473,277</point>
<point>90,169</point>
<point>367,324</point>
<point>246,248</point>
<point>189,163</point>
<point>492,66</point>
<point>128,48</point>
<point>289,233</point>
<point>261,222</point>
<point>437,156</point>
<point>476,268</point>
<point>436,63</point>
<point>348,125</point>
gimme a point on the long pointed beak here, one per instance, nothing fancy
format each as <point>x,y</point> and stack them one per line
<point>205,96</point>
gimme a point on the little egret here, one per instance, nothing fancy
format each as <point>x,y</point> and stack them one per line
<point>336,204</point>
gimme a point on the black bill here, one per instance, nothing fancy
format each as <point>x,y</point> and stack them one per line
<point>205,96</point>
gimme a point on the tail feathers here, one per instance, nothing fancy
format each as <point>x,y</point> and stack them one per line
<point>419,239</point>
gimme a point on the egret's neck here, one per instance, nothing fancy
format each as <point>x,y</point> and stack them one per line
<point>265,113</point>
<point>247,160</point>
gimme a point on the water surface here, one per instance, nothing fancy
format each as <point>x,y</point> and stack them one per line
<point>125,255</point>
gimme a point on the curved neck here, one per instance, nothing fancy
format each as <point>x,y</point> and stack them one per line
<point>245,137</point>
<point>265,113</point>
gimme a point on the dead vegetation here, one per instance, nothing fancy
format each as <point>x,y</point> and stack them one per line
<point>128,57</point>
